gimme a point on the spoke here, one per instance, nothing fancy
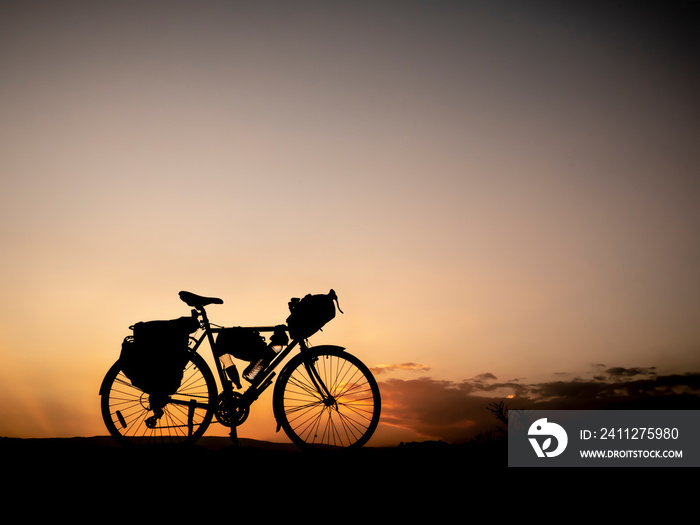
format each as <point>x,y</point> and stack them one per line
<point>342,420</point>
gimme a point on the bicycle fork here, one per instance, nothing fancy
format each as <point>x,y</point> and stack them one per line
<point>323,391</point>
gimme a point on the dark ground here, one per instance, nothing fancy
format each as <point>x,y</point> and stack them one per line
<point>100,459</point>
<point>93,478</point>
<point>83,479</point>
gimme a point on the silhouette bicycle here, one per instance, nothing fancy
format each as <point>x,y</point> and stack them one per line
<point>161,390</point>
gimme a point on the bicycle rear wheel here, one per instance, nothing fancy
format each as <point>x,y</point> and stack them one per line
<point>344,417</point>
<point>134,417</point>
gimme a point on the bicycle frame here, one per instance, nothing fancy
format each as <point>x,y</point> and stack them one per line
<point>265,378</point>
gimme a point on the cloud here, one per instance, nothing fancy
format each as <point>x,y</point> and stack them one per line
<point>630,372</point>
<point>458,411</point>
<point>433,409</point>
<point>382,369</point>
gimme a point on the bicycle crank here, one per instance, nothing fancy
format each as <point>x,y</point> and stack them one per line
<point>231,409</point>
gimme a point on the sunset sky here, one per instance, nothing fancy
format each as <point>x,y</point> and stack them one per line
<point>504,195</point>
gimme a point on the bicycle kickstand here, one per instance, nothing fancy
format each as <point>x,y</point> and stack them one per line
<point>234,435</point>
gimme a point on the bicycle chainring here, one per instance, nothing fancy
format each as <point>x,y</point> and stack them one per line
<point>231,409</point>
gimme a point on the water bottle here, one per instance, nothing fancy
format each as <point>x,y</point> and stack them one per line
<point>278,341</point>
<point>254,369</point>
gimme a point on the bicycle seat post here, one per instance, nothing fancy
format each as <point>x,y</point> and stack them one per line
<point>201,311</point>
<point>205,322</point>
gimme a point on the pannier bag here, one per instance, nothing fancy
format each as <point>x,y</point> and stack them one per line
<point>311,313</point>
<point>154,358</point>
<point>242,343</point>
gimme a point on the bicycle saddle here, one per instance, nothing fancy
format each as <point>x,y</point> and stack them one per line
<point>197,301</point>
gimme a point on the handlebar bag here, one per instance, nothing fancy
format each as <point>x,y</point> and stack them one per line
<point>242,343</point>
<point>311,314</point>
<point>155,356</point>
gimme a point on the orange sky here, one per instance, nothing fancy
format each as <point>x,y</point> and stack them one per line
<point>499,192</point>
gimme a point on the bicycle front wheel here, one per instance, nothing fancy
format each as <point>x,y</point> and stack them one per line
<point>134,417</point>
<point>327,399</point>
